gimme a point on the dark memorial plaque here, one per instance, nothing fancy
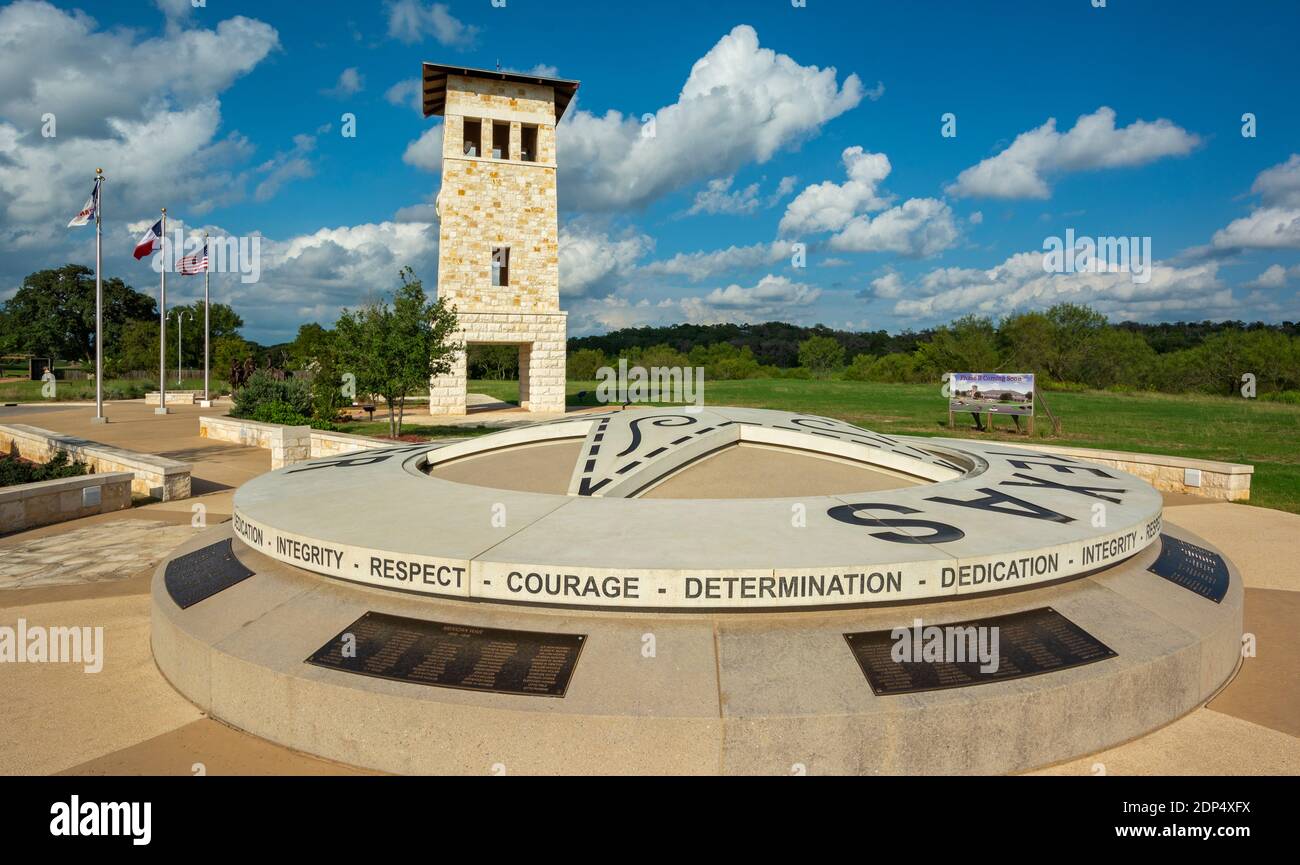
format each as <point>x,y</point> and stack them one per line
<point>199,575</point>
<point>526,663</point>
<point>1194,568</point>
<point>1029,644</point>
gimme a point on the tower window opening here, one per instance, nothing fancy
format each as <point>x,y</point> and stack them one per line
<point>500,266</point>
<point>528,143</point>
<point>473,137</point>
<point>500,140</point>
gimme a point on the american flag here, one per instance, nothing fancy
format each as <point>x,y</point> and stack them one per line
<point>192,265</point>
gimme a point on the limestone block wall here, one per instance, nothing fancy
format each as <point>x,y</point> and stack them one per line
<point>30,506</point>
<point>287,444</point>
<point>542,364</point>
<point>159,477</point>
<point>1219,480</point>
<point>487,203</point>
<point>332,444</point>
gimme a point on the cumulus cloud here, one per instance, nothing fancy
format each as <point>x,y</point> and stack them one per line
<point>40,45</point>
<point>741,103</point>
<point>1279,186</point>
<point>350,83</point>
<point>1264,228</point>
<point>1275,276</point>
<point>156,137</point>
<point>426,151</point>
<point>39,181</point>
<point>1023,169</point>
<point>175,9</point>
<point>408,93</point>
<point>718,197</point>
<point>829,206</point>
<point>288,166</point>
<point>1020,283</point>
<point>311,277</point>
<point>591,261</point>
<point>770,297</point>
<point>702,265</point>
<point>1275,224</point>
<point>918,228</point>
<point>411,21</point>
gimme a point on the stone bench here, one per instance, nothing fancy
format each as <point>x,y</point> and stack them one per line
<point>1209,478</point>
<point>29,506</point>
<point>174,397</point>
<point>159,477</point>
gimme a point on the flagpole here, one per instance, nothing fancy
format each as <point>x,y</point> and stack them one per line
<point>99,298</point>
<point>162,325</point>
<point>207,282</point>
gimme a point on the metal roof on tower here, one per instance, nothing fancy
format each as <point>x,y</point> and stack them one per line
<point>435,85</point>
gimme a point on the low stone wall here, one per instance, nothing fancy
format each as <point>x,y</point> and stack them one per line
<point>174,397</point>
<point>328,444</point>
<point>162,478</point>
<point>287,444</point>
<point>1209,478</point>
<point>29,506</point>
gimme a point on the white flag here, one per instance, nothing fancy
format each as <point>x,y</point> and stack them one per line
<point>88,212</point>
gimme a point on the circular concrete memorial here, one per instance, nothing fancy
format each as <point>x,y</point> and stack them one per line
<point>716,590</point>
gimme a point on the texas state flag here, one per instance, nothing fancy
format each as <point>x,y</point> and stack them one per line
<point>151,239</point>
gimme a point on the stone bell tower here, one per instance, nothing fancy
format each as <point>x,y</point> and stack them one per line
<point>498,237</point>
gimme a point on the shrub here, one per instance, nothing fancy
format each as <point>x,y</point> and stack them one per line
<point>14,471</point>
<point>724,362</point>
<point>860,368</point>
<point>820,355</point>
<point>897,368</point>
<point>1290,397</point>
<point>264,388</point>
<point>287,415</point>
<point>582,364</point>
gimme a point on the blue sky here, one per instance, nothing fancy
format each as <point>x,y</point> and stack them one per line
<point>775,125</point>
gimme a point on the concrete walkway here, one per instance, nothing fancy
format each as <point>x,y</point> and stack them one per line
<point>1253,725</point>
<point>134,426</point>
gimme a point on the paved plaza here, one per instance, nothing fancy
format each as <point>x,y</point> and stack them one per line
<point>128,719</point>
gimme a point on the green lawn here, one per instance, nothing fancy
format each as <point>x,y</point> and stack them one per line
<point>380,429</point>
<point>81,391</point>
<point>1263,434</point>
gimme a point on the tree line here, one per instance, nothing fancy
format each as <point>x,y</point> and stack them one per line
<point>1068,346</point>
<point>53,315</point>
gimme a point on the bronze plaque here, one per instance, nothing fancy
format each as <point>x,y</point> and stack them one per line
<point>1194,568</point>
<point>1028,644</point>
<point>527,663</point>
<point>199,575</point>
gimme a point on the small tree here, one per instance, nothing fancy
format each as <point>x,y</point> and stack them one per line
<point>395,350</point>
<point>821,354</point>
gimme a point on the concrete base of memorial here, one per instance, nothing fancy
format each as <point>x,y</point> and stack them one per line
<point>696,693</point>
